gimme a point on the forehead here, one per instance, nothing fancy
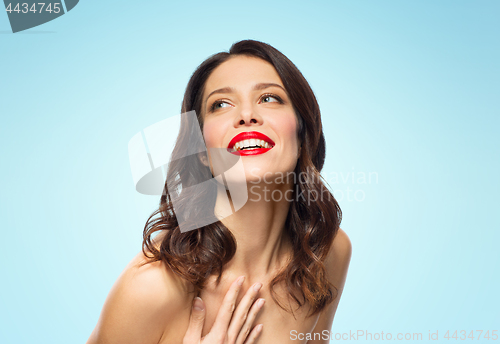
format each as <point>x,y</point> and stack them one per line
<point>241,71</point>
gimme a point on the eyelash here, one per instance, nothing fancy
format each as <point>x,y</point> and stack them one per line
<point>278,98</point>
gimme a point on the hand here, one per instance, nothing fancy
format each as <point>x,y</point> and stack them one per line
<point>228,329</point>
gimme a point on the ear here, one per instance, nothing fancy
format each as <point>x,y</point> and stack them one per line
<point>204,159</point>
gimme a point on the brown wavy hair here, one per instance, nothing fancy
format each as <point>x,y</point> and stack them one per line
<point>197,254</point>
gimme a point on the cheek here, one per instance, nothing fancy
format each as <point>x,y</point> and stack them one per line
<point>288,130</point>
<point>211,134</point>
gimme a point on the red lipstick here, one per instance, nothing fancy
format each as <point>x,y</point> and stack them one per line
<point>248,135</point>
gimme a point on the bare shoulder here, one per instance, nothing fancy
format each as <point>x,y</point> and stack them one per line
<point>339,257</point>
<point>143,300</point>
<point>337,265</point>
<point>341,249</point>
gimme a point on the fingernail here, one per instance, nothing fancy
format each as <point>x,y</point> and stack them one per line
<point>261,302</point>
<point>241,280</point>
<point>259,327</point>
<point>198,304</point>
<point>257,286</point>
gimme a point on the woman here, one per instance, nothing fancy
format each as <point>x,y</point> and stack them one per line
<point>269,271</point>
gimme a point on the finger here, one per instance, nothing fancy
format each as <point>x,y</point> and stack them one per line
<point>257,306</point>
<point>257,330</point>
<point>241,313</point>
<point>196,322</point>
<point>226,310</point>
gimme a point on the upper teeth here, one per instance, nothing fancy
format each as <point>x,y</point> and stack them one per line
<point>251,143</point>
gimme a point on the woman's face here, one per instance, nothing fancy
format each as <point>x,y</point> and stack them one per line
<point>245,95</point>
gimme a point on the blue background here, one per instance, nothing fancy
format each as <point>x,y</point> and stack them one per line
<point>409,90</point>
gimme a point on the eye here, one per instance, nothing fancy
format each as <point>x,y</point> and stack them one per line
<point>271,98</point>
<point>218,104</point>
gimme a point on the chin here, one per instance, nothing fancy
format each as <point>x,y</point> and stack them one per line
<point>269,176</point>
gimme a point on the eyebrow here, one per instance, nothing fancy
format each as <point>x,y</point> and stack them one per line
<point>257,87</point>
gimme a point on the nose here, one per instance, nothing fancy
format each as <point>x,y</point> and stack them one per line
<point>247,116</point>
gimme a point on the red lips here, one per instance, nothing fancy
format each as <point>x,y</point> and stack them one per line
<point>246,136</point>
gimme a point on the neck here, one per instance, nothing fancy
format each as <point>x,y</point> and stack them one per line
<point>259,230</point>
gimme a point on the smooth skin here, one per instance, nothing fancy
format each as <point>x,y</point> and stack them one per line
<point>151,304</point>
<point>144,303</point>
<point>230,326</point>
